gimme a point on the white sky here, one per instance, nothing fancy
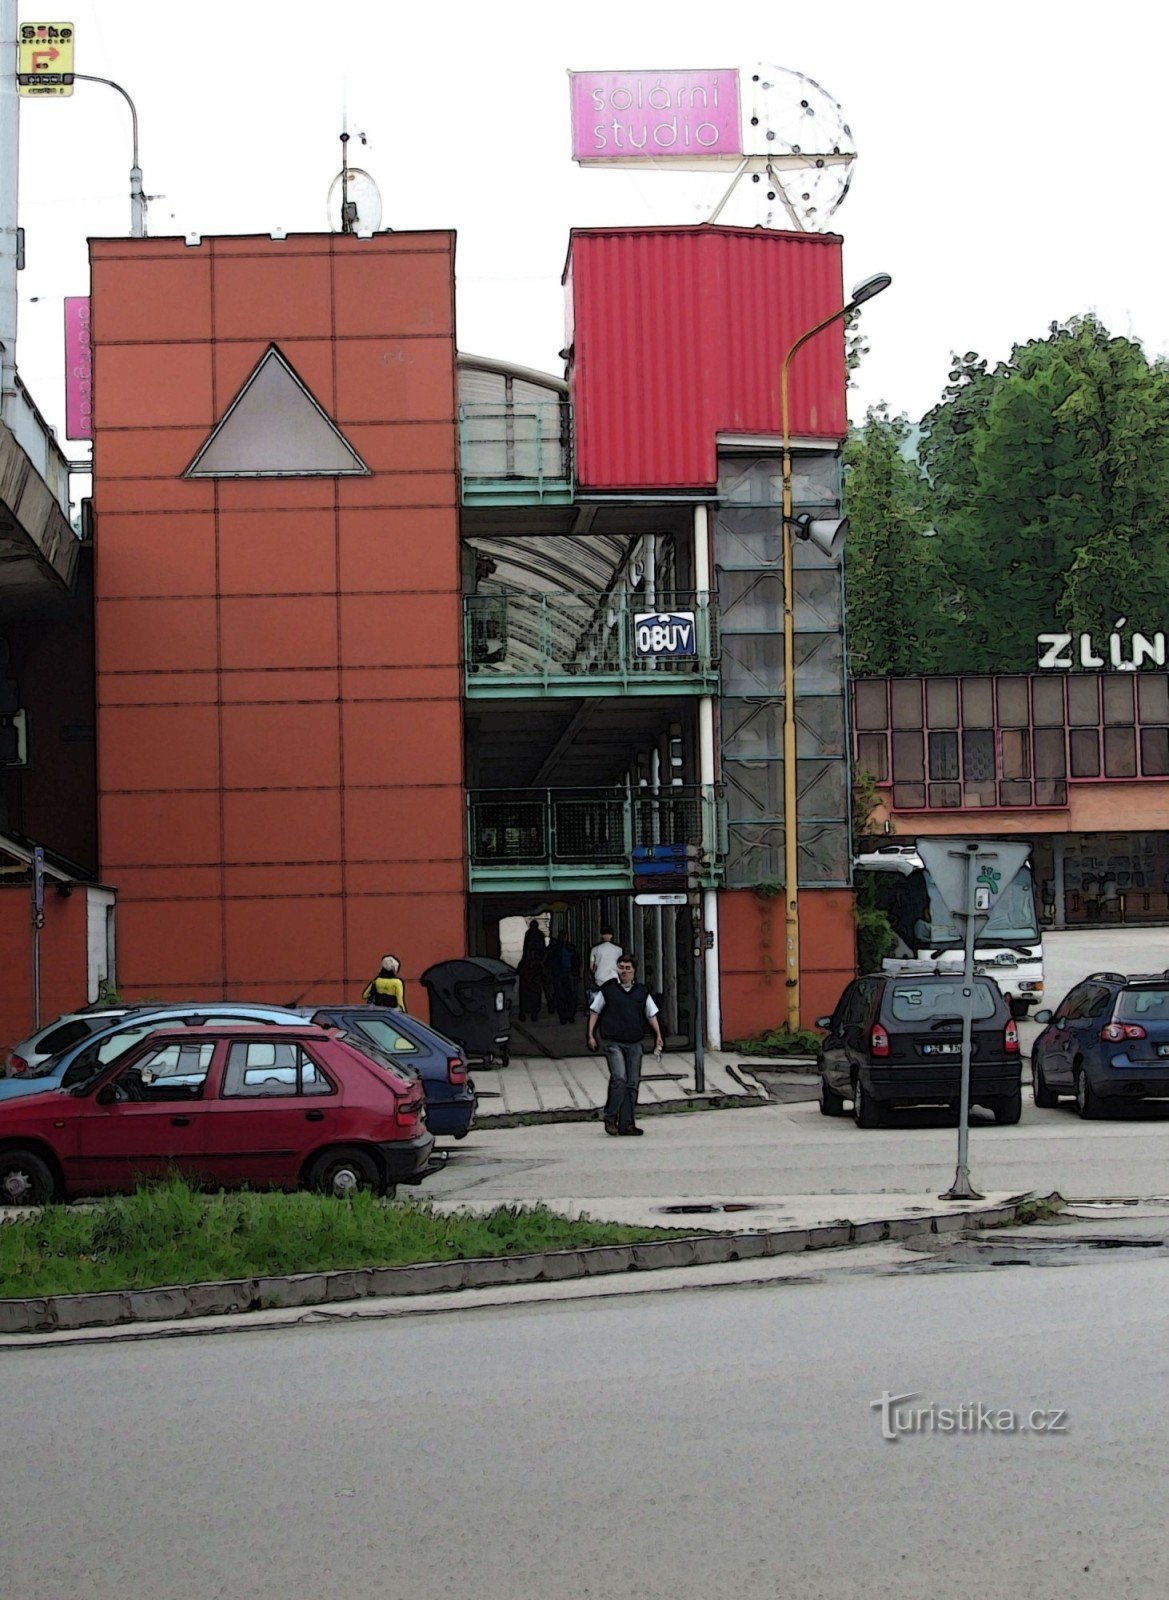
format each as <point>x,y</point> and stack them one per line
<point>1008,152</point>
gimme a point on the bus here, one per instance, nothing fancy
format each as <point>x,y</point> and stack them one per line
<point>1009,949</point>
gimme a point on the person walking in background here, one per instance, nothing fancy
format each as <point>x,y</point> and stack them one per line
<point>603,959</point>
<point>622,1008</point>
<point>386,987</point>
<point>534,942</point>
<point>558,966</point>
<point>531,986</point>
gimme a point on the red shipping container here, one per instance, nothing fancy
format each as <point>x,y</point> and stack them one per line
<point>678,335</point>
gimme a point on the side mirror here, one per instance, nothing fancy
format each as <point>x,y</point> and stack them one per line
<point>106,1095</point>
<point>1042,1016</point>
<point>824,1022</point>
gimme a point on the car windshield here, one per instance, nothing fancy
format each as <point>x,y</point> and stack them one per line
<point>929,1002</point>
<point>1143,1005</point>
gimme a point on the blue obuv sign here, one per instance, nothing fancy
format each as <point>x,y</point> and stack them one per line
<point>665,633</point>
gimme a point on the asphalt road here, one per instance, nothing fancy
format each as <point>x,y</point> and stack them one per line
<point>684,1445</point>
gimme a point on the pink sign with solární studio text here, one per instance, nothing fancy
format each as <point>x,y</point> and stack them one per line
<point>641,116</point>
<point>78,369</point>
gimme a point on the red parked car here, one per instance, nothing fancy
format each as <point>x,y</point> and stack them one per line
<point>227,1105</point>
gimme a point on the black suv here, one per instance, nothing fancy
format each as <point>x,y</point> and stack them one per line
<point>896,1040</point>
<point>1106,1042</point>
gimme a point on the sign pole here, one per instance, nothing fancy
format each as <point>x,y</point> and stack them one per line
<point>962,1188</point>
<point>699,1010</point>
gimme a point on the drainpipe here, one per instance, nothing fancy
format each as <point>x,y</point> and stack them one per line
<point>9,187</point>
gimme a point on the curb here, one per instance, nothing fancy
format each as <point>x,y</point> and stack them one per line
<point>67,1313</point>
<point>661,1108</point>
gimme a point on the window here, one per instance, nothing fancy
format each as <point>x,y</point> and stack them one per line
<point>1083,701</point>
<point>926,1002</point>
<point>263,1068</point>
<point>170,1072</point>
<point>1153,696</point>
<point>905,697</point>
<point>1118,707</point>
<point>1155,752</point>
<point>384,1033</point>
<point>943,756</point>
<point>872,755</point>
<point>1141,1005</point>
<point>1014,711</point>
<point>1047,700</point>
<point>58,1039</point>
<point>1085,752</point>
<point>872,710</point>
<point>1120,752</point>
<point>941,702</point>
<point>977,703</point>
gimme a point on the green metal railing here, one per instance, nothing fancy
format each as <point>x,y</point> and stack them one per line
<point>516,454</point>
<point>564,642</point>
<point>585,838</point>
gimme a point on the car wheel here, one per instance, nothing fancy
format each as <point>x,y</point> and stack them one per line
<point>1008,1111</point>
<point>25,1179</point>
<point>866,1112</point>
<point>1087,1100</point>
<point>831,1103</point>
<point>1046,1099</point>
<point>345,1172</point>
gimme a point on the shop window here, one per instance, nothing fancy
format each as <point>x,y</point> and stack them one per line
<point>872,706</point>
<point>872,755</point>
<point>943,755</point>
<point>1120,753</point>
<point>905,697</point>
<point>1155,752</point>
<point>1085,752</point>
<point>1051,792</point>
<point>1014,709</point>
<point>977,756</point>
<point>978,702</point>
<point>945,794</point>
<point>1047,702</point>
<point>1118,709</point>
<point>1083,701</point>
<point>941,702</point>
<point>1153,696</point>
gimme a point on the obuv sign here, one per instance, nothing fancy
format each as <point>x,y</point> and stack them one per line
<point>665,633</point>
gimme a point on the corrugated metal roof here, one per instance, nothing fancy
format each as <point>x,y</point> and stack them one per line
<point>679,334</point>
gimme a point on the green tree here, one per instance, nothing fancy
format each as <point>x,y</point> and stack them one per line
<point>1049,479</point>
<point>891,571</point>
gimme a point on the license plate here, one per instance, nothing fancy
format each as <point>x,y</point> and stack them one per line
<point>941,1049</point>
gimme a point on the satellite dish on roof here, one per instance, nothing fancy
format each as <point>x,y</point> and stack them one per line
<point>355,201</point>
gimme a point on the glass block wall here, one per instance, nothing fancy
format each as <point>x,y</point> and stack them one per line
<point>748,554</point>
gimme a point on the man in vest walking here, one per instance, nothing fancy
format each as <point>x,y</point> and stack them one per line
<point>621,1009</point>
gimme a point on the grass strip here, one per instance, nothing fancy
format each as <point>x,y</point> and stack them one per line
<point>168,1233</point>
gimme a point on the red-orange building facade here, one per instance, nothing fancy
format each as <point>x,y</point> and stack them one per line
<point>279,714</point>
<point>288,773</point>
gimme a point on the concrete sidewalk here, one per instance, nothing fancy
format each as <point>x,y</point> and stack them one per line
<point>539,1089</point>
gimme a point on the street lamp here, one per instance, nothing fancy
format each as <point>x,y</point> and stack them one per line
<point>829,535</point>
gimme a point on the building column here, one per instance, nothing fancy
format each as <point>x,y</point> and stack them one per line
<point>707,776</point>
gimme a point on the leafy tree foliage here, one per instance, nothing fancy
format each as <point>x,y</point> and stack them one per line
<point>892,575</point>
<point>1049,486</point>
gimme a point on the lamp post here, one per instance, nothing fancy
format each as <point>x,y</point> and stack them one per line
<point>830,536</point>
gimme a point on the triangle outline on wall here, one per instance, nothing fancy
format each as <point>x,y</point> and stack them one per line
<point>276,428</point>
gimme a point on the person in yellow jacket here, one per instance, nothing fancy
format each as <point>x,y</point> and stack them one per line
<point>386,988</point>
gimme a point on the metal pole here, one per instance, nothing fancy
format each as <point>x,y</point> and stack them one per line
<point>699,1018</point>
<point>962,1188</point>
<point>9,191</point>
<point>137,196</point>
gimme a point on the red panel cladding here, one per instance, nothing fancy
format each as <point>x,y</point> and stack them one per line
<point>751,957</point>
<point>679,335</point>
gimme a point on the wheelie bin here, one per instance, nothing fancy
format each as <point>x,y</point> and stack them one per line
<point>471,1001</point>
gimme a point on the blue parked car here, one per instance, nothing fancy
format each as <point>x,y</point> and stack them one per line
<point>450,1095</point>
<point>451,1101</point>
<point>1106,1043</point>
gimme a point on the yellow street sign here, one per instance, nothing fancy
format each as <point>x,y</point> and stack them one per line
<point>45,58</point>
